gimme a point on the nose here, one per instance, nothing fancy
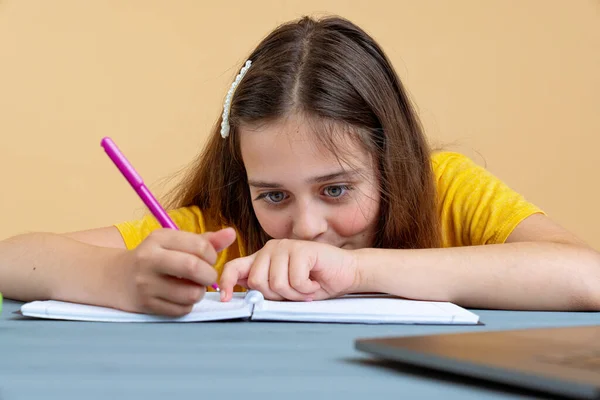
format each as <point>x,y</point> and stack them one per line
<point>308,222</point>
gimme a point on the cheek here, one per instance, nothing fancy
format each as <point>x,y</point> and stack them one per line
<point>356,217</point>
<point>275,224</point>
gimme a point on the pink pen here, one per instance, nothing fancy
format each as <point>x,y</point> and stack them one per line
<point>136,182</point>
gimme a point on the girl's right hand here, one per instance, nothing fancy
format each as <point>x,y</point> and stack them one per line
<point>169,271</point>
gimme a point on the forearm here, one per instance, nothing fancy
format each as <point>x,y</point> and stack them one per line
<point>525,275</point>
<point>49,266</point>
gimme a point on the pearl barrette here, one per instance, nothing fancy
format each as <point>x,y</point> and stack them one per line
<point>227,105</point>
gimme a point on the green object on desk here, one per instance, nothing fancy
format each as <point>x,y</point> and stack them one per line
<point>0,303</point>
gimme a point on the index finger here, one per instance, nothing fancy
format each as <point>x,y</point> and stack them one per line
<point>233,272</point>
<point>186,242</point>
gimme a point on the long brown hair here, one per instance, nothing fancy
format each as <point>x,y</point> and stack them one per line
<point>332,70</point>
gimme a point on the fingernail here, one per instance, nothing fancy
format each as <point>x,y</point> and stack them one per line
<point>308,299</point>
<point>222,295</point>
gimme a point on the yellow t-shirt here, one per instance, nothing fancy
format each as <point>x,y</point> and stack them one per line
<point>476,208</point>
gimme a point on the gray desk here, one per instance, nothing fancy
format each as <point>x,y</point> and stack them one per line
<point>42,359</point>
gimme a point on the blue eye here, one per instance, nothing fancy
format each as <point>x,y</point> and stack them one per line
<point>279,198</point>
<point>337,191</point>
<point>275,197</point>
<point>334,191</point>
<point>272,198</point>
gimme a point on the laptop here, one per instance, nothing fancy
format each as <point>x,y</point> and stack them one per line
<point>558,361</point>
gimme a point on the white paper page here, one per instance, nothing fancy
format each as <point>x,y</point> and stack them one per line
<point>210,308</point>
<point>365,309</point>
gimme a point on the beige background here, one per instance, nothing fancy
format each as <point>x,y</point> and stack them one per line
<point>514,84</point>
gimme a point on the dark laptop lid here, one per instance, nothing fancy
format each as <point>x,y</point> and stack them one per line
<point>564,361</point>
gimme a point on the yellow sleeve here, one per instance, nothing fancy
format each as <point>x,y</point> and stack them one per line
<point>476,208</point>
<point>189,219</point>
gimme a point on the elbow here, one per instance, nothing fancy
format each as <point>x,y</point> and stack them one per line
<point>591,281</point>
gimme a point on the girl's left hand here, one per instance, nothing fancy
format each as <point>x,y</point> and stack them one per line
<point>293,270</point>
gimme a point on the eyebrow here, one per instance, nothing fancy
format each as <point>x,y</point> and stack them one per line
<point>317,179</point>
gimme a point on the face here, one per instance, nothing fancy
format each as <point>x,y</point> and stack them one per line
<point>301,191</point>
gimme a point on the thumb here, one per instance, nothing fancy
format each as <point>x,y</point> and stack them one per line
<point>220,239</point>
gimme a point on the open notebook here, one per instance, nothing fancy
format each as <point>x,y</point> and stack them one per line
<point>365,309</point>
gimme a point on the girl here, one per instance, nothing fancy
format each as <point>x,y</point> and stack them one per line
<point>317,181</point>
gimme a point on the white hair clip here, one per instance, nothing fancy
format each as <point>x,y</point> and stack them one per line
<point>227,106</point>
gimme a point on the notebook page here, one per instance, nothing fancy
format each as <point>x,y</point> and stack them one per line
<point>210,308</point>
<point>365,309</point>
